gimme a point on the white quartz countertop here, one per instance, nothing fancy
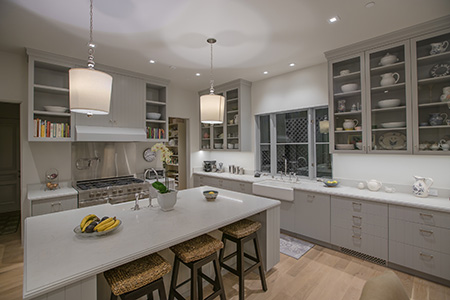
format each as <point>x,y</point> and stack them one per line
<point>397,198</point>
<point>39,192</point>
<point>54,256</point>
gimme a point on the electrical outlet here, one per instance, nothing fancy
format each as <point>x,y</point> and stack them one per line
<point>433,192</point>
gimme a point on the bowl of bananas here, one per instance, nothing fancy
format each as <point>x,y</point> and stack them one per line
<point>91,226</point>
<point>330,183</point>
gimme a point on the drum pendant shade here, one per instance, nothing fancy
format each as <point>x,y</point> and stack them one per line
<point>212,109</point>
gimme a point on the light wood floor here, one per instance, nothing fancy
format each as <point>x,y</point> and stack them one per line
<point>321,274</point>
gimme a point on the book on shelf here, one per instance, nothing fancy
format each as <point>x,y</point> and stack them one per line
<point>44,128</point>
<point>155,133</point>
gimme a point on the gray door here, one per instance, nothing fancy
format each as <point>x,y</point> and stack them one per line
<point>9,157</point>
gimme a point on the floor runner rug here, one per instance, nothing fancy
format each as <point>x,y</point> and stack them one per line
<point>293,247</point>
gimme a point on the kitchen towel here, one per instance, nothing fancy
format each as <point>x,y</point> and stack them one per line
<point>293,247</point>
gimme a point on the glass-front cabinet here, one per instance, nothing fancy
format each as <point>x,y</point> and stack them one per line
<point>346,94</point>
<point>431,78</point>
<point>388,99</point>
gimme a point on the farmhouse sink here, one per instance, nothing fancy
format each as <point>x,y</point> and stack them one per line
<point>274,189</point>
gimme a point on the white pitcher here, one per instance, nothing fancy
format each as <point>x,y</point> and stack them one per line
<point>420,187</point>
<point>389,79</point>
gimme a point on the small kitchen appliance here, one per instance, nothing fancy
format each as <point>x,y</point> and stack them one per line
<point>208,165</point>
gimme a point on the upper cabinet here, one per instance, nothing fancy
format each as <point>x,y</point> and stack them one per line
<point>391,94</point>
<point>137,109</point>
<point>234,134</point>
<point>431,93</point>
<point>48,105</point>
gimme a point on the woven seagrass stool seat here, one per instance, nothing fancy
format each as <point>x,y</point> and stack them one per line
<point>194,254</point>
<point>138,278</point>
<point>241,232</point>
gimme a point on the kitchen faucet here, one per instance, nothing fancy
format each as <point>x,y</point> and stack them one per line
<point>154,171</point>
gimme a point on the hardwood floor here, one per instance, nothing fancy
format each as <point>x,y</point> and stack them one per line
<point>321,274</point>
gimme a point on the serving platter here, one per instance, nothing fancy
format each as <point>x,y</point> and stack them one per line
<point>393,141</point>
<point>78,232</point>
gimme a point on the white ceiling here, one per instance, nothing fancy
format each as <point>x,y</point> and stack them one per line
<point>252,35</point>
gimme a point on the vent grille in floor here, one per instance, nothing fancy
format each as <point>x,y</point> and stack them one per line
<point>373,259</point>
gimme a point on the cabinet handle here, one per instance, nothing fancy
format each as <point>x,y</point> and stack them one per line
<point>357,217</point>
<point>356,227</point>
<point>426,231</point>
<point>357,203</point>
<point>426,215</point>
<point>356,237</point>
<point>311,196</point>
<point>426,255</point>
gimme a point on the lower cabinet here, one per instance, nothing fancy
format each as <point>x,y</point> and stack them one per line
<point>420,239</point>
<point>51,205</point>
<point>312,215</point>
<point>227,184</point>
<point>360,226</point>
<point>287,215</point>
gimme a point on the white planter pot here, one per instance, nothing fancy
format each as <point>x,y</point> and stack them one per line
<point>168,200</point>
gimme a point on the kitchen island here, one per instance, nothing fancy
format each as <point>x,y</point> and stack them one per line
<point>61,265</point>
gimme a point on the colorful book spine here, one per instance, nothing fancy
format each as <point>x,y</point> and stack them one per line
<point>44,128</point>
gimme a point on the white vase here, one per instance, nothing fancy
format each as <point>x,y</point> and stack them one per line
<point>168,200</point>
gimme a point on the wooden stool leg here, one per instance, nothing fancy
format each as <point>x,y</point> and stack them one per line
<point>240,268</point>
<point>200,283</point>
<point>222,251</point>
<point>150,296</point>
<point>219,281</point>
<point>261,266</point>
<point>113,297</point>
<point>173,282</point>
<point>194,279</point>
<point>161,291</point>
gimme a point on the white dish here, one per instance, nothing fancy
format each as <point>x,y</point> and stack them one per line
<point>392,141</point>
<point>393,124</point>
<point>345,147</point>
<point>153,116</point>
<point>58,109</point>
<point>349,87</point>
<point>218,146</point>
<point>389,103</point>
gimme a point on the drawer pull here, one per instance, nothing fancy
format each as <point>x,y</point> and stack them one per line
<point>426,215</point>
<point>356,237</point>
<point>426,255</point>
<point>357,203</point>
<point>356,227</point>
<point>357,217</point>
<point>426,231</point>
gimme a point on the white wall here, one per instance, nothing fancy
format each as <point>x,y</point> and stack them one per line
<point>308,87</point>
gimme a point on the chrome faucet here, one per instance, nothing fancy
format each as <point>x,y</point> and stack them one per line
<point>149,170</point>
<point>136,202</point>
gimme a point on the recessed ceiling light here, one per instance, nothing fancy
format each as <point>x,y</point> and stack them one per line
<point>151,61</point>
<point>370,4</point>
<point>291,64</point>
<point>197,74</point>
<point>333,19</point>
<point>265,72</point>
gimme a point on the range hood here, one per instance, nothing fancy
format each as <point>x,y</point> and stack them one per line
<point>109,134</point>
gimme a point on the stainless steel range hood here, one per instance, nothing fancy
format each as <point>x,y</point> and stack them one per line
<point>109,134</point>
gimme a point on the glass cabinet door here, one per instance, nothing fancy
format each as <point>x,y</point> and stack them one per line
<point>389,99</point>
<point>347,105</point>
<point>232,108</point>
<point>431,80</point>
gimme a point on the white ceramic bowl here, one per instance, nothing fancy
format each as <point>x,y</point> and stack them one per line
<point>389,103</point>
<point>359,145</point>
<point>58,109</point>
<point>153,116</point>
<point>345,147</point>
<point>230,146</point>
<point>349,87</point>
<point>218,145</point>
<point>393,124</point>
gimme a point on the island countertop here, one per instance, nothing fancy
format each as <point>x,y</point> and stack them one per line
<point>55,257</point>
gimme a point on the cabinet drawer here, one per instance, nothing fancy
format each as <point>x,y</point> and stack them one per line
<point>374,225</point>
<point>424,260</point>
<point>421,216</point>
<point>355,205</point>
<point>360,241</point>
<point>420,235</point>
<point>46,206</point>
<point>241,187</point>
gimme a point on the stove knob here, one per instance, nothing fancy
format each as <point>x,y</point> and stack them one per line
<point>128,190</point>
<point>114,192</point>
<point>139,189</point>
<point>98,194</point>
<point>105,193</point>
<point>134,189</point>
<point>120,191</point>
<point>91,195</point>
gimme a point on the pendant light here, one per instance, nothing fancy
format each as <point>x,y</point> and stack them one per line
<point>211,105</point>
<point>89,89</point>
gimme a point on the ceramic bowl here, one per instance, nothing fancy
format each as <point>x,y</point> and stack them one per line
<point>393,124</point>
<point>210,195</point>
<point>58,109</point>
<point>349,87</point>
<point>345,146</point>
<point>331,183</point>
<point>153,116</point>
<point>218,145</point>
<point>389,103</point>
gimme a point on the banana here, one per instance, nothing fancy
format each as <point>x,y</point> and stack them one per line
<point>86,225</point>
<point>108,222</point>
<point>115,224</point>
<point>87,218</point>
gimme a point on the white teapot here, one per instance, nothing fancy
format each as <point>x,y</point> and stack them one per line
<point>388,59</point>
<point>374,185</point>
<point>420,187</point>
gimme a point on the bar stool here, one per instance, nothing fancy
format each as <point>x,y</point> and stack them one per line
<point>194,254</point>
<point>241,232</point>
<point>139,278</point>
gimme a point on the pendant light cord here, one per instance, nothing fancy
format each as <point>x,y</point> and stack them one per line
<point>91,44</point>
<point>211,41</point>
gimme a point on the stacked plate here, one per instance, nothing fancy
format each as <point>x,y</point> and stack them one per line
<point>389,103</point>
<point>345,147</point>
<point>393,124</point>
<point>58,109</point>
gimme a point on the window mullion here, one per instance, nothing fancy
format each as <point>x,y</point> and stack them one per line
<point>273,144</point>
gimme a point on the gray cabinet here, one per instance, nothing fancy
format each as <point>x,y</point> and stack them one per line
<point>312,215</point>
<point>51,205</point>
<point>228,184</point>
<point>360,226</point>
<point>127,104</point>
<point>156,103</point>
<point>235,132</point>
